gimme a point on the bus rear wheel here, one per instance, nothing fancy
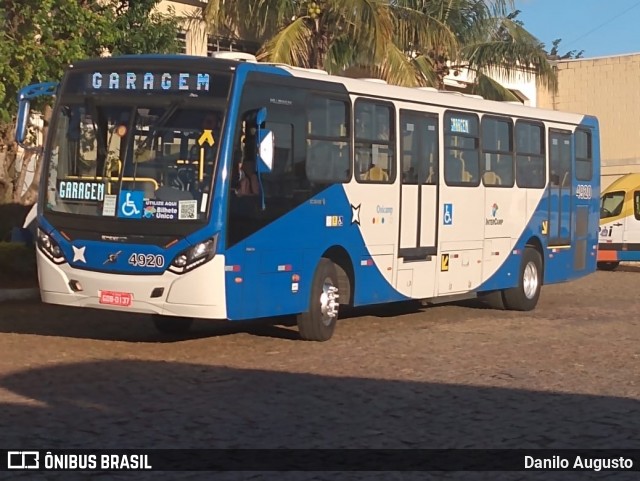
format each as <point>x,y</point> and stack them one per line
<point>319,322</point>
<point>608,266</point>
<point>524,296</point>
<point>172,325</point>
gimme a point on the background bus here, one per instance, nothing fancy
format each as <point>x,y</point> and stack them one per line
<point>367,193</point>
<point>619,238</point>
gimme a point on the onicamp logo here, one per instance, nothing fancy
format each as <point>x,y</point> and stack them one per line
<point>23,460</point>
<point>494,220</point>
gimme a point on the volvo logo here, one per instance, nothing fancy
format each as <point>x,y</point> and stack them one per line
<point>112,258</point>
<point>114,238</point>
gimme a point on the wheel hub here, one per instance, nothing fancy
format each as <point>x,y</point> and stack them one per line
<point>530,280</point>
<point>329,302</point>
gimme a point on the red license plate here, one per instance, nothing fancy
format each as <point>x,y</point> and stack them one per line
<point>123,299</point>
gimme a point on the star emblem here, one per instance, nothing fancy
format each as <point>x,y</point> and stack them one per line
<point>78,254</point>
<point>355,214</point>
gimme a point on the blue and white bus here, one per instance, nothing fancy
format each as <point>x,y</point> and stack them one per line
<point>308,191</point>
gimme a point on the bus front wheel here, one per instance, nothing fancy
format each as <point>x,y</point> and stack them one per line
<point>524,296</point>
<point>319,322</point>
<point>172,325</point>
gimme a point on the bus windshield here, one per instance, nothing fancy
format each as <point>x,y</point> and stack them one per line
<point>132,161</point>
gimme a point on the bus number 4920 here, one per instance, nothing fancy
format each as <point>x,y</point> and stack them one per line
<point>146,260</point>
<point>583,191</point>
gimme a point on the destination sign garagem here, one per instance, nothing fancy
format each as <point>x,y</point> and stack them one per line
<point>162,81</point>
<point>80,190</point>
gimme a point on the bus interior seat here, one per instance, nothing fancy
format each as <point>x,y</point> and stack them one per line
<point>171,194</point>
<point>491,178</point>
<point>376,173</point>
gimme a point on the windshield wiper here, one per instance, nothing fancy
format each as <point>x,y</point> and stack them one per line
<point>90,105</point>
<point>164,118</point>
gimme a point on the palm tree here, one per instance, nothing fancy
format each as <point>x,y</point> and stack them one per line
<point>405,42</point>
<point>488,41</point>
<point>323,34</point>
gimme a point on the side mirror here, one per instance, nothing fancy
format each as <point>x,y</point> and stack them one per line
<point>24,106</point>
<point>265,151</point>
<point>22,121</point>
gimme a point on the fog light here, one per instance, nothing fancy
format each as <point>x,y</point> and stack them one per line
<point>157,292</point>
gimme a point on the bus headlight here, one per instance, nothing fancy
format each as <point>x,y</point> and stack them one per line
<point>194,256</point>
<point>49,247</point>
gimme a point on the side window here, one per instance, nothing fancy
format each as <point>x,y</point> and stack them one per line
<point>497,152</point>
<point>281,181</point>
<point>530,155</point>
<point>374,142</point>
<point>636,205</point>
<point>584,158</point>
<point>328,158</point>
<point>559,159</point>
<point>419,148</point>
<point>461,149</point>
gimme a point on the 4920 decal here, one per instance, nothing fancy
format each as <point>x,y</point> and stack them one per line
<point>583,191</point>
<point>146,260</point>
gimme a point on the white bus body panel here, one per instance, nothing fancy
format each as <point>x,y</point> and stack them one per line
<point>199,293</point>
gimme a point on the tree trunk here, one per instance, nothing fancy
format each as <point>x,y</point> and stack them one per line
<point>26,160</point>
<point>7,157</point>
<point>30,197</point>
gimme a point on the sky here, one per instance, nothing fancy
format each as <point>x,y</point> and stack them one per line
<point>599,27</point>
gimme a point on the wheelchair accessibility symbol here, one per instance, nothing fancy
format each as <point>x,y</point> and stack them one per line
<point>447,215</point>
<point>130,204</point>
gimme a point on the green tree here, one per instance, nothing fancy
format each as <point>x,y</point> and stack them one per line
<point>41,37</point>
<point>138,28</point>
<point>488,41</point>
<point>405,42</point>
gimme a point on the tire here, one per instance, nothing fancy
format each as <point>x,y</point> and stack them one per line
<point>319,322</point>
<point>608,266</point>
<point>525,296</point>
<point>172,325</point>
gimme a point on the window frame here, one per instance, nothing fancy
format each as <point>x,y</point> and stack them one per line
<point>588,159</point>
<point>391,142</point>
<point>446,131</point>
<point>510,152</point>
<point>346,139</point>
<point>543,155</point>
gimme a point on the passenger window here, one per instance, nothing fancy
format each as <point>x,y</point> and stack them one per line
<point>374,142</point>
<point>328,157</point>
<point>530,155</point>
<point>584,159</point>
<point>462,155</point>
<point>497,152</point>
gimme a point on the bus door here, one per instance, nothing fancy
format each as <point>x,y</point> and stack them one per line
<point>560,188</point>
<point>585,224</point>
<point>418,203</point>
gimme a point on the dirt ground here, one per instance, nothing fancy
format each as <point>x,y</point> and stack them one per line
<point>452,376</point>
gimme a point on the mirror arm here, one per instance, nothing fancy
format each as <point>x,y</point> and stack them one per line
<point>25,94</point>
